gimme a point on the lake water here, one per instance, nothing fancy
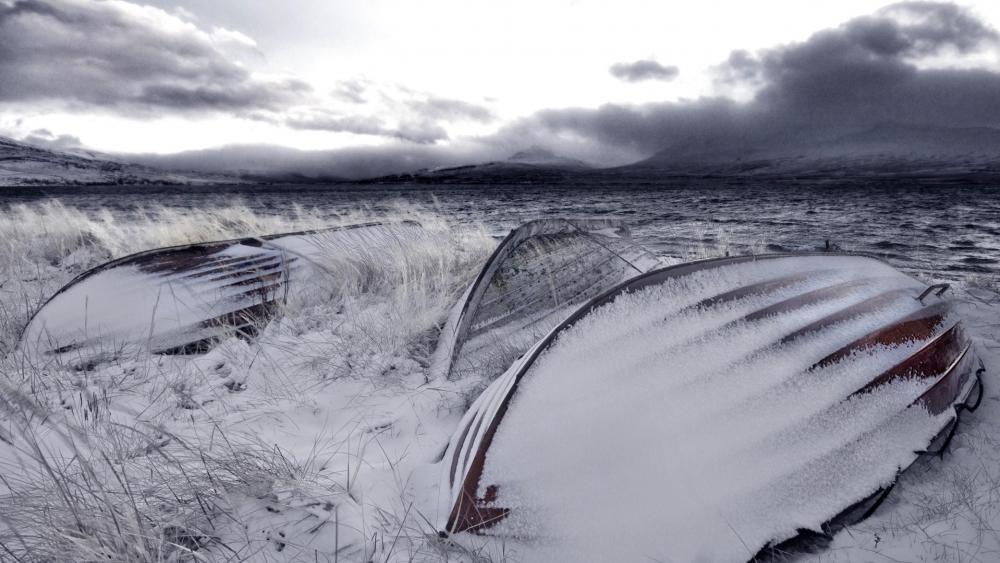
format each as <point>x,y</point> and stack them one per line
<point>943,231</point>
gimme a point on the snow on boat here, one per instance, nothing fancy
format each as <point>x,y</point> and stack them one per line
<point>183,299</point>
<point>711,411</point>
<point>536,277</point>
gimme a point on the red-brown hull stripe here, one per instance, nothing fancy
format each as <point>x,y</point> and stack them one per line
<point>210,267</point>
<point>756,289</point>
<point>240,316</point>
<point>807,299</point>
<point>943,394</point>
<point>920,325</point>
<point>870,305</point>
<point>228,271</point>
<point>931,361</point>
<point>268,278</point>
<point>176,260</point>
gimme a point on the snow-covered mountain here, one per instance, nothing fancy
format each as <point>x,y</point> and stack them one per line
<point>885,150</point>
<point>23,164</point>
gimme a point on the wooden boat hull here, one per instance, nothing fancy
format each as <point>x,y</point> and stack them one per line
<point>536,276</point>
<point>830,339</point>
<point>184,299</point>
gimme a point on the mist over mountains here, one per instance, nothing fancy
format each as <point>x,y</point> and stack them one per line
<point>887,150</point>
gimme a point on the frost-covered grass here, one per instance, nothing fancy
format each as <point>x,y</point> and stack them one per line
<point>316,441</point>
<point>299,445</point>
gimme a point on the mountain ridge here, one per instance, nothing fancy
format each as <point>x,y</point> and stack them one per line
<point>26,164</point>
<point>532,165</point>
<point>885,151</point>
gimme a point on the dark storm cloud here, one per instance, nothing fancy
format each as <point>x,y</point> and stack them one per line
<point>125,57</point>
<point>921,28</point>
<point>619,133</point>
<point>740,68</point>
<point>866,72</point>
<point>643,70</point>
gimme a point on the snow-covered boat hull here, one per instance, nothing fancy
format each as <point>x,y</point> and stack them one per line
<point>186,298</point>
<point>712,411</point>
<point>536,277</point>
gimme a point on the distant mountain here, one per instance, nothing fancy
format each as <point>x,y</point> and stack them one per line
<point>538,156</point>
<point>255,163</point>
<point>887,150</point>
<point>534,165</point>
<point>23,164</point>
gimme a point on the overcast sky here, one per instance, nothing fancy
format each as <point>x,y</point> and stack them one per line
<point>607,81</point>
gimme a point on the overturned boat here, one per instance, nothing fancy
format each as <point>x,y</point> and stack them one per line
<point>536,277</point>
<point>717,411</point>
<point>184,299</point>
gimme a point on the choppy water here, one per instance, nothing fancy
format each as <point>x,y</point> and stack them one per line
<point>943,231</point>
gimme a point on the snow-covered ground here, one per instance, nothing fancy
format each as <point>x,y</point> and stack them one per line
<point>318,440</point>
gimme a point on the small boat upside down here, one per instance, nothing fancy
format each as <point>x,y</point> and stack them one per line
<point>761,395</point>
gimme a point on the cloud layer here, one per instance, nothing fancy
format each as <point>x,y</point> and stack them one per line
<point>126,57</point>
<point>140,61</point>
<point>905,64</point>
<point>419,119</point>
<point>883,68</point>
